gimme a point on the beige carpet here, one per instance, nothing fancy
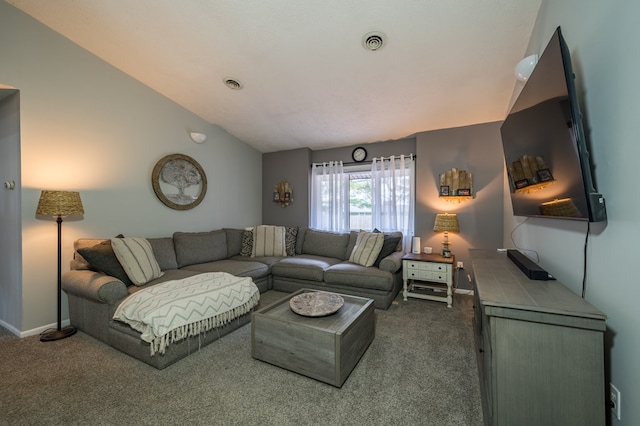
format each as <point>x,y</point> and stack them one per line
<point>420,369</point>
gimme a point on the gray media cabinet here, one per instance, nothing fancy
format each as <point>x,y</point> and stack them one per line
<point>540,348</point>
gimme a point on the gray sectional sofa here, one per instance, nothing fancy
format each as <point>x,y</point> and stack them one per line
<point>96,285</point>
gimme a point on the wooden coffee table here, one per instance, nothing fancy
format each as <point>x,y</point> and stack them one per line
<point>324,348</point>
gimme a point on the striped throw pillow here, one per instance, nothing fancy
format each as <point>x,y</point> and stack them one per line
<point>137,259</point>
<point>268,241</point>
<point>367,248</point>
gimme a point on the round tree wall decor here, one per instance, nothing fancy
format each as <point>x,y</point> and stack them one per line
<point>179,181</point>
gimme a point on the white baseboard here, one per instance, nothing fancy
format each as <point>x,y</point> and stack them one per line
<point>11,328</point>
<point>33,331</point>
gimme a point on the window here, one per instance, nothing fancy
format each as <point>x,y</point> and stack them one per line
<point>377,195</point>
<point>360,200</point>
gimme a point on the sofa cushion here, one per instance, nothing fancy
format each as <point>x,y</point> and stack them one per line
<point>268,240</point>
<point>327,244</point>
<point>354,275</point>
<point>137,259</point>
<point>267,260</point>
<point>353,237</point>
<point>303,267</point>
<point>239,268</point>
<point>367,248</point>
<point>302,232</point>
<point>102,258</point>
<point>199,247</point>
<point>164,252</point>
<point>234,241</point>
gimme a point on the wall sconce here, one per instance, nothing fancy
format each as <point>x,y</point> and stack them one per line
<point>525,67</point>
<point>283,193</point>
<point>198,137</point>
<point>456,186</point>
<point>446,223</point>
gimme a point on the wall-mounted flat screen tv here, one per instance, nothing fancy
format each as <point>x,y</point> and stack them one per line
<point>548,164</point>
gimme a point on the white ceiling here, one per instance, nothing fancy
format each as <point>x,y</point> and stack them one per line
<point>308,82</point>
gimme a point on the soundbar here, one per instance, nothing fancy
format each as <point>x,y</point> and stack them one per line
<point>526,265</point>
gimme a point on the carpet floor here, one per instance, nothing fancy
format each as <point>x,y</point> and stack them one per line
<point>419,370</point>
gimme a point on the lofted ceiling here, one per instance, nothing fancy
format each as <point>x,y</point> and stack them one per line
<point>307,79</point>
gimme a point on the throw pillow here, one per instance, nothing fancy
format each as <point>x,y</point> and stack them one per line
<point>268,241</point>
<point>291,234</point>
<point>102,258</point>
<point>247,243</point>
<point>389,246</point>
<point>137,259</point>
<point>367,248</point>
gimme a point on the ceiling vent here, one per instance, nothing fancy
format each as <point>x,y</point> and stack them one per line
<point>232,84</point>
<point>374,41</point>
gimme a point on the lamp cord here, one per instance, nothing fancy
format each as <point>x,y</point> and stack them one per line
<point>584,262</point>
<point>537,260</point>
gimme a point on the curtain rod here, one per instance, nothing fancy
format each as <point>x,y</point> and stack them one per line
<point>351,163</point>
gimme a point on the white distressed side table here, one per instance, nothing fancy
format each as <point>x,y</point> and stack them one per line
<point>425,275</point>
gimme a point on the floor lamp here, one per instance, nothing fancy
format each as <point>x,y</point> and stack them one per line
<point>59,204</point>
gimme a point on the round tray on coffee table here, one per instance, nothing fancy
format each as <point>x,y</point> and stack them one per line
<point>316,304</point>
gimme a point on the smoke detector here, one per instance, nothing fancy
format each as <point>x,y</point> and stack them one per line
<point>374,41</point>
<point>232,84</point>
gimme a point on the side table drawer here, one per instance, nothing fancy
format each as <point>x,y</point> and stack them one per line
<point>428,266</point>
<point>427,271</point>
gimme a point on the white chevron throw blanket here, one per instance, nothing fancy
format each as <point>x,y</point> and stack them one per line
<point>175,310</point>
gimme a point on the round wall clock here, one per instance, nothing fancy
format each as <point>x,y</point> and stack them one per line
<point>359,154</point>
<point>179,182</point>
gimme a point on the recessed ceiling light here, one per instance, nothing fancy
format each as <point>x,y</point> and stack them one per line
<point>232,83</point>
<point>374,40</point>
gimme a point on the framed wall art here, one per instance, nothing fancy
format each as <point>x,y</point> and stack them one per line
<point>179,181</point>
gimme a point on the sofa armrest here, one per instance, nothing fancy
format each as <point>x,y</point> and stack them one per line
<point>393,262</point>
<point>94,286</point>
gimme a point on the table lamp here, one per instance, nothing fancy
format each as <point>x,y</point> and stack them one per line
<point>59,204</point>
<point>446,223</point>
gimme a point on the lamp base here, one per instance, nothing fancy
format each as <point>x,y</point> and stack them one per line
<point>49,336</point>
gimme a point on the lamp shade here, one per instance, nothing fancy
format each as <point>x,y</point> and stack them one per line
<point>446,222</point>
<point>563,207</point>
<point>59,203</point>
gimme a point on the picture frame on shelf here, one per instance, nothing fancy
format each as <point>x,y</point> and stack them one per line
<point>544,175</point>
<point>444,190</point>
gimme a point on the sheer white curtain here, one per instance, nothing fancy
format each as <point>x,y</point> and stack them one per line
<point>329,197</point>
<point>393,195</point>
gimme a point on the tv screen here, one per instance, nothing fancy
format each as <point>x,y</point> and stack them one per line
<point>544,144</point>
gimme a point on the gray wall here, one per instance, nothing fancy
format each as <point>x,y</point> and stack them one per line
<point>601,37</point>
<point>477,149</point>
<point>293,167</point>
<point>10,232</point>
<point>87,126</point>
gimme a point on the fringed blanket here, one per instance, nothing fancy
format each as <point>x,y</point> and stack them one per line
<point>175,310</point>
